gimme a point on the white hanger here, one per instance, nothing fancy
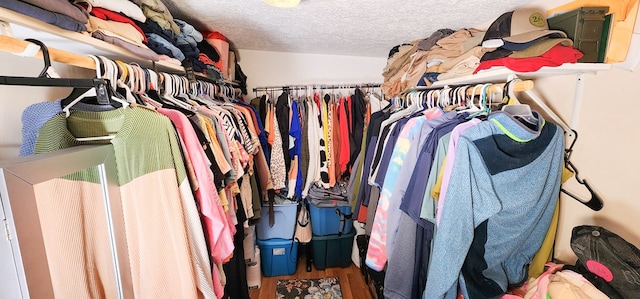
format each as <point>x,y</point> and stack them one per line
<point>521,110</point>
<point>470,106</point>
<point>445,97</point>
<point>92,93</point>
<point>432,97</point>
<point>171,89</point>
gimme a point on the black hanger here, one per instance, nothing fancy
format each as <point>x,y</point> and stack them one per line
<point>595,202</point>
<point>44,80</point>
<point>104,93</point>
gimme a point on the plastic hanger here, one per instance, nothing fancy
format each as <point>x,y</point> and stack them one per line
<point>100,92</point>
<point>97,91</point>
<point>482,109</point>
<point>521,111</point>
<point>170,90</point>
<point>595,202</point>
<point>80,86</point>
<point>123,75</point>
<point>462,94</point>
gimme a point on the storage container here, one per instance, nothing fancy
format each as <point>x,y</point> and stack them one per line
<point>330,220</point>
<point>254,276</point>
<point>585,27</point>
<point>284,225</point>
<point>278,256</point>
<point>332,251</point>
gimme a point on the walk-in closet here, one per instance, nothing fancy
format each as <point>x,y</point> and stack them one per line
<point>297,149</point>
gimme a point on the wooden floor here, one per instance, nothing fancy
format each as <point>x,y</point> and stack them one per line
<point>351,281</point>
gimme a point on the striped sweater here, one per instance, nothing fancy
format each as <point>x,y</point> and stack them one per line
<point>154,191</point>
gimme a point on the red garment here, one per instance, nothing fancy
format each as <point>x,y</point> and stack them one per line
<point>556,56</point>
<point>316,99</point>
<point>338,145</point>
<point>345,147</point>
<point>215,35</point>
<point>109,15</point>
<point>362,214</point>
<point>205,59</point>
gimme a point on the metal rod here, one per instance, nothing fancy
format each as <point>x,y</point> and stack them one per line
<point>316,86</point>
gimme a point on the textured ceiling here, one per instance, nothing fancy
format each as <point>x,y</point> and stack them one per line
<point>341,27</point>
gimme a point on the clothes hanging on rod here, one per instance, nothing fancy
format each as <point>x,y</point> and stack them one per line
<point>316,86</point>
<point>427,165</point>
<point>183,151</point>
<point>526,87</point>
<point>323,139</point>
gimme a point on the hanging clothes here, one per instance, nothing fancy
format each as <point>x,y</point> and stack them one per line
<point>304,126</point>
<point>357,116</point>
<point>323,140</point>
<point>344,124</point>
<point>404,226</point>
<point>236,276</point>
<point>220,241</point>
<point>148,226</point>
<point>295,152</point>
<point>378,253</point>
<point>373,131</point>
<point>336,138</point>
<point>327,127</point>
<point>315,146</point>
<point>278,163</point>
<point>282,112</point>
<point>503,214</point>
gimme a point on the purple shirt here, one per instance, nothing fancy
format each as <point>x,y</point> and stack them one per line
<point>455,134</point>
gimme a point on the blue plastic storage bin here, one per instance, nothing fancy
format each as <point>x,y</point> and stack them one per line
<point>326,221</point>
<point>278,256</point>
<point>284,225</point>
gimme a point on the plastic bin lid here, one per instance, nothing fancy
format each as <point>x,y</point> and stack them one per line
<point>333,237</point>
<point>274,242</point>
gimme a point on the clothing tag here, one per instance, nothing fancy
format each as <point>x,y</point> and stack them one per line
<point>102,96</point>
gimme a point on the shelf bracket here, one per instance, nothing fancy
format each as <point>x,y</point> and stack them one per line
<point>577,101</point>
<point>547,110</point>
<point>5,29</point>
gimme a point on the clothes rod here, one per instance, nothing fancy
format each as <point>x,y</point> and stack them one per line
<point>14,45</point>
<point>316,86</point>
<point>523,85</point>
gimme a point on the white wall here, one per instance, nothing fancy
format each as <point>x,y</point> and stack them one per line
<point>265,68</point>
<point>606,153</point>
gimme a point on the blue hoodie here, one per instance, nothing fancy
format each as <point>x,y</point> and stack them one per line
<point>501,198</point>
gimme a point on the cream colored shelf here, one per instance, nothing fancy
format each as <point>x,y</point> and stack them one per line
<point>503,74</point>
<point>23,26</point>
<point>63,44</point>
